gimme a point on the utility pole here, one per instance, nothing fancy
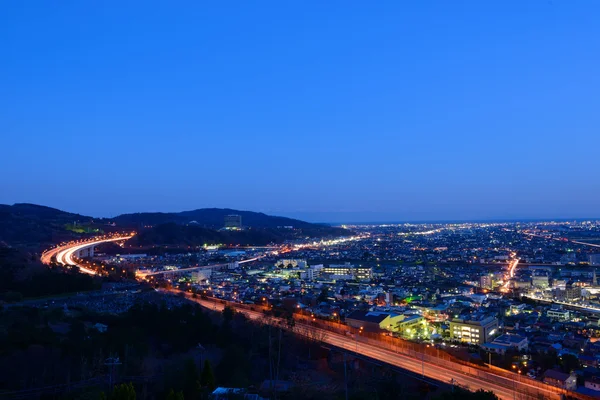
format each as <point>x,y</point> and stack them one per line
<point>423,361</point>
<point>111,362</point>
<point>345,377</point>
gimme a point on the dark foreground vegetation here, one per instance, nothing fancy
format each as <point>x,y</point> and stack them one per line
<point>22,276</point>
<point>176,350</point>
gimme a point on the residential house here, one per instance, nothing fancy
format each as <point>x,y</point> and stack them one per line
<point>373,321</point>
<point>560,379</point>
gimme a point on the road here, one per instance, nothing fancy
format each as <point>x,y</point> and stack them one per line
<point>586,244</point>
<point>512,267</point>
<point>65,254</point>
<point>562,239</point>
<point>144,275</point>
<point>588,308</point>
<point>502,386</point>
<point>463,375</point>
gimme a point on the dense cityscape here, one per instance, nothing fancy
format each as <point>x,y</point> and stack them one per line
<point>518,297</point>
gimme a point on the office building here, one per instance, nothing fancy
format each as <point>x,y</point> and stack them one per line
<point>291,263</point>
<point>473,331</point>
<point>201,275</point>
<point>486,281</point>
<point>233,221</point>
<point>558,314</point>
<point>348,271</point>
<point>540,280</point>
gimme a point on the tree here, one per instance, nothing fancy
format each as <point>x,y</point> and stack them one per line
<point>124,391</point>
<point>228,314</point>
<point>191,383</point>
<point>291,323</point>
<point>323,295</point>
<point>463,394</point>
<point>13,297</point>
<point>207,378</point>
<point>234,368</point>
<point>175,395</point>
<point>568,363</point>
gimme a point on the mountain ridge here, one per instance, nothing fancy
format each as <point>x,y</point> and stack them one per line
<point>35,226</point>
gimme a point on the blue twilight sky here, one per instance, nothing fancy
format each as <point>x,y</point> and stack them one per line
<point>326,110</point>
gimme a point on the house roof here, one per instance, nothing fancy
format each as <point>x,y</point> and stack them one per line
<point>509,339</point>
<point>557,375</point>
<point>368,316</point>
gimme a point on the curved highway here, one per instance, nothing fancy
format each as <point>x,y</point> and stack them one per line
<point>65,254</point>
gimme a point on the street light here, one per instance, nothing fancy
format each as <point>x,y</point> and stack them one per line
<point>423,361</point>
<point>356,337</point>
<point>515,382</point>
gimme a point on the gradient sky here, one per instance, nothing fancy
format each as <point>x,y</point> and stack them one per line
<point>327,110</point>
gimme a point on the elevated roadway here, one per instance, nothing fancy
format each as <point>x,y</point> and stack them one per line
<point>506,385</point>
<point>144,275</point>
<point>67,254</point>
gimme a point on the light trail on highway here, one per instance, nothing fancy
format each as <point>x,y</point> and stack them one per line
<point>144,275</point>
<point>65,255</point>
<point>512,267</point>
<point>505,388</point>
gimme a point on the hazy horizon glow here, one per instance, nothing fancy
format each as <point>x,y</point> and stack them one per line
<point>429,110</point>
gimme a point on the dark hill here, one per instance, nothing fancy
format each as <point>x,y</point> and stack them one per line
<point>197,227</point>
<point>172,234</point>
<point>210,218</point>
<point>36,227</point>
<point>30,225</point>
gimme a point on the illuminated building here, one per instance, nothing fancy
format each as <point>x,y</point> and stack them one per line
<point>201,275</point>
<point>233,221</point>
<point>486,281</point>
<point>558,314</point>
<point>348,271</point>
<point>473,331</point>
<point>540,280</point>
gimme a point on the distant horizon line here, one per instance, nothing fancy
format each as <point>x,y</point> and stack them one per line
<point>461,221</point>
<point>298,215</point>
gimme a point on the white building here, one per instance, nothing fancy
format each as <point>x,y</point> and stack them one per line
<point>291,263</point>
<point>473,331</point>
<point>233,265</point>
<point>558,314</point>
<point>201,275</point>
<point>348,271</point>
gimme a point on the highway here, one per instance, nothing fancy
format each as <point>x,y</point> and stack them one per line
<point>562,239</point>
<point>504,385</point>
<point>512,267</point>
<point>65,254</point>
<point>144,275</point>
<point>460,374</point>
<point>586,244</point>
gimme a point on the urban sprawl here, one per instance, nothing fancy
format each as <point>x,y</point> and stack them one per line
<point>518,296</point>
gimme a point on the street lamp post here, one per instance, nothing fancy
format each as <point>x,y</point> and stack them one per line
<point>515,381</point>
<point>519,377</point>
<point>356,337</point>
<point>423,360</point>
